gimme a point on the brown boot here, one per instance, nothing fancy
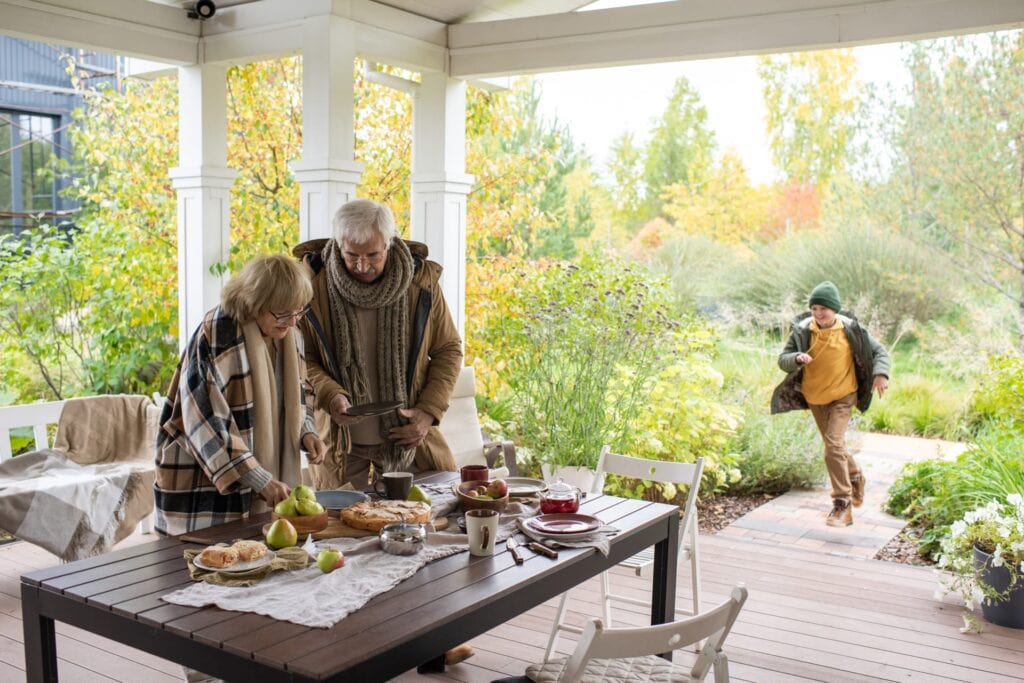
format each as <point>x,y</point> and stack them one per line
<point>459,653</point>
<point>842,513</point>
<point>857,496</point>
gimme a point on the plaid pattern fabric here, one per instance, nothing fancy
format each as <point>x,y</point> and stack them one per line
<point>206,430</point>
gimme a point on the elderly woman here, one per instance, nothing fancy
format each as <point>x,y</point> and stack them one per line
<point>239,406</point>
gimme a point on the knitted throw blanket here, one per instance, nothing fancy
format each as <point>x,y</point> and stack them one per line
<point>388,296</point>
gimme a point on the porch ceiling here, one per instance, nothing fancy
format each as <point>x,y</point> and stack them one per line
<point>471,38</point>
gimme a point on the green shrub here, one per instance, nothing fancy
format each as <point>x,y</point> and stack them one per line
<point>935,493</point>
<point>775,453</point>
<point>999,396</point>
<point>915,405</point>
<point>887,280</point>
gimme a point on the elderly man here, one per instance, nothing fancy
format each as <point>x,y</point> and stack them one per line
<point>378,330</point>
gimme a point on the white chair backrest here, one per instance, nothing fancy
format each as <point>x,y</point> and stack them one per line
<point>460,424</point>
<point>621,643</point>
<point>688,473</point>
<point>35,415</point>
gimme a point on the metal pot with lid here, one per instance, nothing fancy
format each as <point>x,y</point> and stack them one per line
<point>403,538</point>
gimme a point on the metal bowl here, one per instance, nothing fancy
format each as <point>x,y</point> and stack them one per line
<point>403,538</point>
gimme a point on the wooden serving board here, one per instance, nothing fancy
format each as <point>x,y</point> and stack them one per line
<point>338,529</point>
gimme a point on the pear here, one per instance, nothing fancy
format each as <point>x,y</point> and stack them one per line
<point>286,508</point>
<point>282,534</point>
<point>305,507</point>
<point>303,492</point>
<point>418,494</point>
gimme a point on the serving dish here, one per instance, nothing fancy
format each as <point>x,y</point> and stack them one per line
<point>305,524</point>
<point>237,566</point>
<point>336,500</point>
<point>467,502</point>
<point>564,523</point>
<point>524,486</point>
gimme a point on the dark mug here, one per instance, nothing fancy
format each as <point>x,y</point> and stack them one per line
<point>396,485</point>
<point>475,473</point>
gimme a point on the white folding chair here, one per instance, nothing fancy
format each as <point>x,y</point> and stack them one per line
<point>633,651</point>
<point>678,473</point>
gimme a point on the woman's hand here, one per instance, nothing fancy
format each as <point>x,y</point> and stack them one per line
<point>411,435</point>
<point>274,492</point>
<point>340,404</point>
<point>880,385</point>
<point>314,448</point>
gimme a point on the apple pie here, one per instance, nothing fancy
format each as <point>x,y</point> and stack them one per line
<point>374,515</point>
<point>249,550</point>
<point>219,556</point>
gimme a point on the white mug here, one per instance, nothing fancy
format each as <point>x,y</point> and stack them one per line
<point>482,529</point>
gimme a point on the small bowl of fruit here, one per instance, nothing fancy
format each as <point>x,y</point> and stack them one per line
<point>303,511</point>
<point>483,495</point>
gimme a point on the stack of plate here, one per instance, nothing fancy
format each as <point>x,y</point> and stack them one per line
<point>566,526</point>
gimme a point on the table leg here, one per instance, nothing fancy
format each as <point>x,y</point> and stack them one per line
<point>434,666</point>
<point>40,639</point>
<point>663,589</point>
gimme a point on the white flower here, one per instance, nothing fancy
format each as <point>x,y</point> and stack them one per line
<point>1015,499</point>
<point>958,528</point>
<point>997,556</point>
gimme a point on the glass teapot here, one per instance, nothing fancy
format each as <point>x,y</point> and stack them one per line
<point>559,497</point>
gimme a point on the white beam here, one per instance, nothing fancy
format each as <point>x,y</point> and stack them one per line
<point>699,29</point>
<point>130,27</point>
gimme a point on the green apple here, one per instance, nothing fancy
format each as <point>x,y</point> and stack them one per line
<point>303,492</point>
<point>282,534</point>
<point>328,560</point>
<point>286,508</point>
<point>304,506</point>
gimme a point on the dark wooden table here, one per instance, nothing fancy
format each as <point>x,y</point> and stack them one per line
<point>447,602</point>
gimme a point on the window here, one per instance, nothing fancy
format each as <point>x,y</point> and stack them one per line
<point>27,152</point>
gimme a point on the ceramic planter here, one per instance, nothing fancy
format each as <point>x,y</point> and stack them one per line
<point>1009,612</point>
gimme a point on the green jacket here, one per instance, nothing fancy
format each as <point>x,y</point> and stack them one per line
<point>870,359</point>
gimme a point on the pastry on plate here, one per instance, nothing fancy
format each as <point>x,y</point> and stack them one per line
<point>249,550</point>
<point>374,515</point>
<point>219,556</point>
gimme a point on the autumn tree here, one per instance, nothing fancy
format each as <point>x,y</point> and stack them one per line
<point>681,146</point>
<point>625,165</point>
<point>960,156</point>
<point>810,98</point>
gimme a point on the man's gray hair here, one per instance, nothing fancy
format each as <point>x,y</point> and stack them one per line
<point>360,220</point>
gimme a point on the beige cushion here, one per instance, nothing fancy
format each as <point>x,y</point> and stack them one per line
<point>460,425</point>
<point>651,668</point>
<point>108,428</point>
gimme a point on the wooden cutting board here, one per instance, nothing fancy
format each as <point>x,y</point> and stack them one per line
<point>338,529</point>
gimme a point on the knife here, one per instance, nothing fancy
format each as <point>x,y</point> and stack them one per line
<point>513,548</point>
<point>543,550</point>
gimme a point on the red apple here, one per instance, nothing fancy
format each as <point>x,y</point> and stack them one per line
<point>497,488</point>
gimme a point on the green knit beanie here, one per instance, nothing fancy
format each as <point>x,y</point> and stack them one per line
<point>825,294</point>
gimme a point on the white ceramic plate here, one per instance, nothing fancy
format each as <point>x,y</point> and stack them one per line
<point>524,486</point>
<point>238,566</point>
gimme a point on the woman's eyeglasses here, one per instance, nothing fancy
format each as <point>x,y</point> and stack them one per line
<point>291,315</point>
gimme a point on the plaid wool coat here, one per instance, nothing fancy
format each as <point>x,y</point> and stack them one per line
<point>206,430</point>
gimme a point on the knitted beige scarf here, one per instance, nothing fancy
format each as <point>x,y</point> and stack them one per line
<point>388,296</point>
<point>275,442</point>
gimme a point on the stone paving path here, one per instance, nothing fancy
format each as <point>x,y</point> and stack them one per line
<point>797,518</point>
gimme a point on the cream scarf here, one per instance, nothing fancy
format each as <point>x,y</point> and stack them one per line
<point>388,296</point>
<point>275,442</point>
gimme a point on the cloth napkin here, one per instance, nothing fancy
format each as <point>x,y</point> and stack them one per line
<point>286,559</point>
<point>599,539</point>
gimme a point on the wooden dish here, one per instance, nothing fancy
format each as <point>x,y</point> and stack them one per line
<point>305,524</point>
<point>471,503</point>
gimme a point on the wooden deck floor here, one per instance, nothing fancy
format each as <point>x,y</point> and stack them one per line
<point>810,616</point>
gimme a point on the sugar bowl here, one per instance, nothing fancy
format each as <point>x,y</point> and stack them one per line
<point>403,538</point>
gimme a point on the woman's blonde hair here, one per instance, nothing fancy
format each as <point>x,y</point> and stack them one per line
<point>275,283</point>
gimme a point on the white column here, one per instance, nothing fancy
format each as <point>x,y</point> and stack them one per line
<point>327,173</point>
<point>203,181</point>
<point>440,183</point>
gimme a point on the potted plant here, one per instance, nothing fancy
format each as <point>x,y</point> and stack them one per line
<point>984,555</point>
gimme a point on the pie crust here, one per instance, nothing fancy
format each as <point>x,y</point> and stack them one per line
<point>249,550</point>
<point>374,515</point>
<point>218,556</point>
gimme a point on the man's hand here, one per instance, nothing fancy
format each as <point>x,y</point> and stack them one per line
<point>340,404</point>
<point>314,448</point>
<point>881,384</point>
<point>412,434</point>
<point>274,492</point>
<point>803,358</point>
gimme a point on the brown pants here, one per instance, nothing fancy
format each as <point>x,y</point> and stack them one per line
<point>832,419</point>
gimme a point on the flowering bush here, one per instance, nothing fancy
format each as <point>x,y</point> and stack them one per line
<point>997,529</point>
